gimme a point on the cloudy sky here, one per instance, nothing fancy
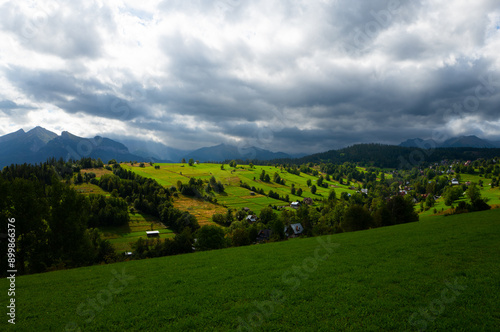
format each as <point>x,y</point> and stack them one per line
<point>294,76</point>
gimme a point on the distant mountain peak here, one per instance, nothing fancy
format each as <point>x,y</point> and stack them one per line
<point>419,143</point>
<point>223,152</point>
<point>39,144</point>
<point>11,136</point>
<point>68,135</point>
<point>469,141</point>
<point>41,134</point>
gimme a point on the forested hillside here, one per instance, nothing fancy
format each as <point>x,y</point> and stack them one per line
<point>391,156</point>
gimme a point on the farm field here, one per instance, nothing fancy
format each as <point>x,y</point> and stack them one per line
<point>437,274</point>
<point>236,197</point>
<point>97,171</point>
<point>88,189</point>
<point>202,210</point>
<point>123,237</point>
<point>492,194</point>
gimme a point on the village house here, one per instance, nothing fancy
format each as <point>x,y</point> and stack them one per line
<point>251,218</point>
<point>294,230</point>
<point>264,235</point>
<point>307,200</point>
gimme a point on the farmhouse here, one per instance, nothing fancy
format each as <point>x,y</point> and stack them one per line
<point>454,181</point>
<point>264,235</point>
<point>153,233</point>
<point>295,205</point>
<point>251,218</point>
<point>294,230</point>
<point>307,200</point>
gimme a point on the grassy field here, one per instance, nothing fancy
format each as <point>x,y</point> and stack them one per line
<point>98,171</point>
<point>437,274</point>
<point>202,210</point>
<point>493,195</point>
<point>235,196</point>
<point>123,237</point>
<point>88,189</point>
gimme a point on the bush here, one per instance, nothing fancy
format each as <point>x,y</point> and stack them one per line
<point>357,218</point>
<point>240,237</point>
<point>219,218</point>
<point>209,238</point>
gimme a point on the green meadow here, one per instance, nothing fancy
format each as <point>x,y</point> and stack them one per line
<point>236,197</point>
<point>492,194</point>
<point>123,237</point>
<point>437,274</point>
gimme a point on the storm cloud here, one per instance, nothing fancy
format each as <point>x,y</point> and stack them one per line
<point>293,76</point>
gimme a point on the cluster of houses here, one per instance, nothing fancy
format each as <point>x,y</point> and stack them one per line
<point>294,230</point>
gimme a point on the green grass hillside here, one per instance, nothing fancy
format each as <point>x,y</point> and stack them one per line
<point>236,197</point>
<point>437,274</point>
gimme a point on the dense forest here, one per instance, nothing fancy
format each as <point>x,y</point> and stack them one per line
<point>388,156</point>
<point>56,227</point>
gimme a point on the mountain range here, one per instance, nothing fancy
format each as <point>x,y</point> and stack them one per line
<point>454,142</point>
<point>223,152</point>
<point>39,144</point>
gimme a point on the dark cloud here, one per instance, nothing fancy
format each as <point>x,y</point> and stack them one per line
<point>9,105</point>
<point>295,76</point>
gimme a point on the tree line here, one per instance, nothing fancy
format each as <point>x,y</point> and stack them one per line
<point>57,227</point>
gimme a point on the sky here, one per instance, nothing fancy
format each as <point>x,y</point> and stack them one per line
<point>291,76</point>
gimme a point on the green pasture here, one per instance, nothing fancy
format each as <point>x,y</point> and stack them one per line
<point>123,237</point>
<point>89,189</point>
<point>236,197</point>
<point>439,274</point>
<point>491,194</point>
